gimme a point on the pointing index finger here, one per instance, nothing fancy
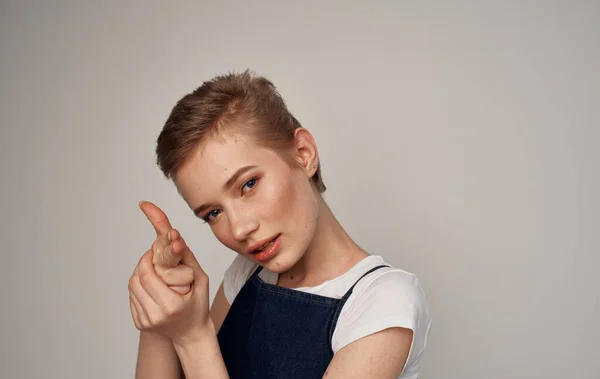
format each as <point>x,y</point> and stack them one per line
<point>157,218</point>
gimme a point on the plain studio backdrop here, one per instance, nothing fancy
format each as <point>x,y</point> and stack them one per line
<point>459,140</point>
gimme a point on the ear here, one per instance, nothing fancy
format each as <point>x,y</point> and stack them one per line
<point>305,151</point>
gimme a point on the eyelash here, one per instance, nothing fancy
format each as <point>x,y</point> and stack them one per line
<point>207,217</point>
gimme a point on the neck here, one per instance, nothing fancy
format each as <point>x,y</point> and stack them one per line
<point>331,253</point>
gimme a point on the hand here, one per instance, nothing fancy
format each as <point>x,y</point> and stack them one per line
<point>168,248</point>
<point>184,318</point>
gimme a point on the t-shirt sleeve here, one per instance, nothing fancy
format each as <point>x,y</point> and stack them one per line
<point>236,276</point>
<point>390,299</point>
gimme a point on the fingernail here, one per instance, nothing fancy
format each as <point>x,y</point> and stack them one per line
<point>169,236</point>
<point>141,202</point>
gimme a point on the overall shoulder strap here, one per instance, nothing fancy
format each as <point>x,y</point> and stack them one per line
<point>258,269</point>
<point>343,301</point>
<point>349,292</point>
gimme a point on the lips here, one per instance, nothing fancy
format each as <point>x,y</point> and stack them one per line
<point>261,244</point>
<point>269,250</point>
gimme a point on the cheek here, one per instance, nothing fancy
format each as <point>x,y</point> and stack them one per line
<point>222,231</point>
<point>224,236</point>
<point>290,203</point>
<point>276,200</point>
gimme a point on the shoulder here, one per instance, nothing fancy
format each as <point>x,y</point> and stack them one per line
<point>386,298</point>
<point>236,275</point>
<point>390,285</point>
<point>389,293</point>
<point>387,285</point>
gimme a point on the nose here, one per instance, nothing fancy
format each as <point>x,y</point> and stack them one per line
<point>241,224</point>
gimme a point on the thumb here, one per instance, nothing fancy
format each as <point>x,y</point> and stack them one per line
<point>189,259</point>
<point>169,255</point>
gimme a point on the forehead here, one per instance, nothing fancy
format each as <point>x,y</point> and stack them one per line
<point>215,160</point>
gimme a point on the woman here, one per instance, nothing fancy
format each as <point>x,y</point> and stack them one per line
<point>302,299</point>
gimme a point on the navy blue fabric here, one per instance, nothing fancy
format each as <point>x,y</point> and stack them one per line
<point>272,332</point>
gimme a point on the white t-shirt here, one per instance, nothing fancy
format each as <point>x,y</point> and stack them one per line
<point>387,297</point>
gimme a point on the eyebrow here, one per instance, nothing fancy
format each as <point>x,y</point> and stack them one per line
<point>228,184</point>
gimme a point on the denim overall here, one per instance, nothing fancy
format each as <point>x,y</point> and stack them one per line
<point>273,332</point>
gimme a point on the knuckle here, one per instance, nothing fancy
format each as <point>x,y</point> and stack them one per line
<point>131,283</point>
<point>184,244</point>
<point>178,275</point>
<point>156,246</point>
<point>167,275</point>
<point>160,271</point>
<point>144,279</point>
<point>188,278</point>
<point>154,320</point>
<point>171,310</point>
<point>202,279</point>
<point>188,272</point>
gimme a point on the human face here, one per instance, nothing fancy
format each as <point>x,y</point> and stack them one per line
<point>249,195</point>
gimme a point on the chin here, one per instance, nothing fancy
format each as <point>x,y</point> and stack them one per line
<point>282,262</point>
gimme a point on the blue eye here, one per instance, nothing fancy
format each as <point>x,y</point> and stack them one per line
<point>247,187</point>
<point>214,213</point>
<point>250,184</point>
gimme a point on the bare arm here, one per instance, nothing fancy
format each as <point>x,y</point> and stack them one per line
<point>157,358</point>
<point>202,359</point>
<point>205,356</point>
<point>381,355</point>
<point>219,309</point>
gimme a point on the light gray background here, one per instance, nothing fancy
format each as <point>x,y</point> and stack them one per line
<point>458,140</point>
